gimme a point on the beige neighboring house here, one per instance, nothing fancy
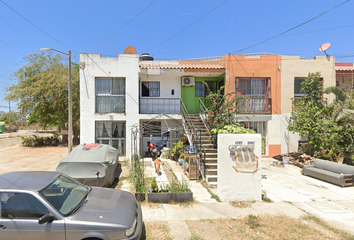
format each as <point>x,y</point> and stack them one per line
<point>294,70</point>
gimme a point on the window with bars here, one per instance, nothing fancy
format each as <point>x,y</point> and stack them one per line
<point>151,128</point>
<point>201,90</point>
<point>150,89</point>
<point>257,93</point>
<point>110,95</point>
<point>111,133</point>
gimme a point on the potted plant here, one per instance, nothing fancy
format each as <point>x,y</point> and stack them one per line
<point>154,186</point>
<point>162,195</point>
<point>181,191</point>
<point>175,152</point>
<point>176,191</point>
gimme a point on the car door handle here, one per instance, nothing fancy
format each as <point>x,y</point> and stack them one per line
<point>2,226</point>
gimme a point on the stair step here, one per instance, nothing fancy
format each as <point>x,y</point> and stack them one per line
<point>212,179</point>
<point>211,172</point>
<point>211,166</point>
<point>211,160</point>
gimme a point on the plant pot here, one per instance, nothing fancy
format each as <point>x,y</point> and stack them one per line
<point>140,196</point>
<point>182,197</point>
<point>159,197</point>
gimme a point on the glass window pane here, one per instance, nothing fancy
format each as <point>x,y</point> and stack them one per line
<point>298,86</point>
<point>199,89</point>
<point>21,206</point>
<point>110,95</point>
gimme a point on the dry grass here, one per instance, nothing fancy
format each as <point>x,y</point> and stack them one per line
<point>265,227</point>
<point>156,230</point>
<point>241,204</point>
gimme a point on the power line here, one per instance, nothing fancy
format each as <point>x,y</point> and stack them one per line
<point>292,28</point>
<point>225,44</point>
<point>34,24</point>
<point>123,26</point>
<point>189,26</point>
<point>16,31</point>
<point>12,47</point>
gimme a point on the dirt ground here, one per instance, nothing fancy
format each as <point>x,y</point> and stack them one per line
<point>19,158</point>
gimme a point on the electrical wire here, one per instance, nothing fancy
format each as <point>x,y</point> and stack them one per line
<point>292,27</point>
<point>123,26</point>
<point>189,26</point>
<point>12,47</point>
<point>34,24</point>
<point>226,44</point>
<point>17,32</point>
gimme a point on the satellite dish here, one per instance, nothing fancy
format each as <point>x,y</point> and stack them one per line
<point>324,47</point>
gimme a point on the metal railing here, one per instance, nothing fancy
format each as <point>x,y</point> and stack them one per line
<point>150,105</point>
<point>202,114</point>
<point>254,105</point>
<point>194,137</point>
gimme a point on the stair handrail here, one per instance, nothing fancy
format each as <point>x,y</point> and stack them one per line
<point>195,138</point>
<point>185,115</point>
<point>202,113</point>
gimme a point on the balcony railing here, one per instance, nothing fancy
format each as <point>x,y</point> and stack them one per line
<point>255,105</point>
<point>160,105</point>
<point>248,105</point>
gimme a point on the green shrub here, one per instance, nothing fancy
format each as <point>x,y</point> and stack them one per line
<point>137,174</point>
<point>154,186</point>
<point>40,141</point>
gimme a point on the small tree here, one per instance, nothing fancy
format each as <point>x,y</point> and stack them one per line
<point>308,118</point>
<point>222,113</point>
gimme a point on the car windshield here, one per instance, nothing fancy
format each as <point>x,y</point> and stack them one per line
<point>65,194</point>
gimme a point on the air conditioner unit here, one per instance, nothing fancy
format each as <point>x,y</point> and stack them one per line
<point>188,81</point>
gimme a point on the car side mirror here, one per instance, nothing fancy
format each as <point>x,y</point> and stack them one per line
<point>49,217</point>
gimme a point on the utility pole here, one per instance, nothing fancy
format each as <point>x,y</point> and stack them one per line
<point>10,115</point>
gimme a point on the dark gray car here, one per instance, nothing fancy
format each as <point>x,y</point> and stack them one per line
<point>52,205</point>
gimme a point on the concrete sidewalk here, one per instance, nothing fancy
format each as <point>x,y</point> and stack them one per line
<point>293,194</point>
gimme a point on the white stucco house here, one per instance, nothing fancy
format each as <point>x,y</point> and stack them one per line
<point>119,93</point>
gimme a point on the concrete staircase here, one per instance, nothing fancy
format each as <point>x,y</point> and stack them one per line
<point>211,153</point>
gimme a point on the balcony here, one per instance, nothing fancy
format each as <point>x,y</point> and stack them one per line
<point>151,105</point>
<point>255,105</point>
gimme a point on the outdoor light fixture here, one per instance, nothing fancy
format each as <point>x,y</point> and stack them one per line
<point>70,120</point>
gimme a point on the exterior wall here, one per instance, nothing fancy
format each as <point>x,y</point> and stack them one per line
<point>188,95</point>
<point>245,183</point>
<point>292,67</point>
<point>1,114</point>
<point>92,66</point>
<point>263,66</point>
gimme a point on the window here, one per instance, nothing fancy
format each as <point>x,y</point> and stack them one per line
<point>257,93</point>
<point>252,87</point>
<point>150,89</point>
<point>259,127</point>
<point>201,90</point>
<point>113,134</point>
<point>110,95</point>
<point>297,87</point>
<point>151,128</point>
<point>21,206</point>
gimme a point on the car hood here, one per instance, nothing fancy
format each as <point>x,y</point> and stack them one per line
<point>106,205</point>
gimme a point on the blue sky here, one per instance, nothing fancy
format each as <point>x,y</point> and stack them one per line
<point>171,29</point>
